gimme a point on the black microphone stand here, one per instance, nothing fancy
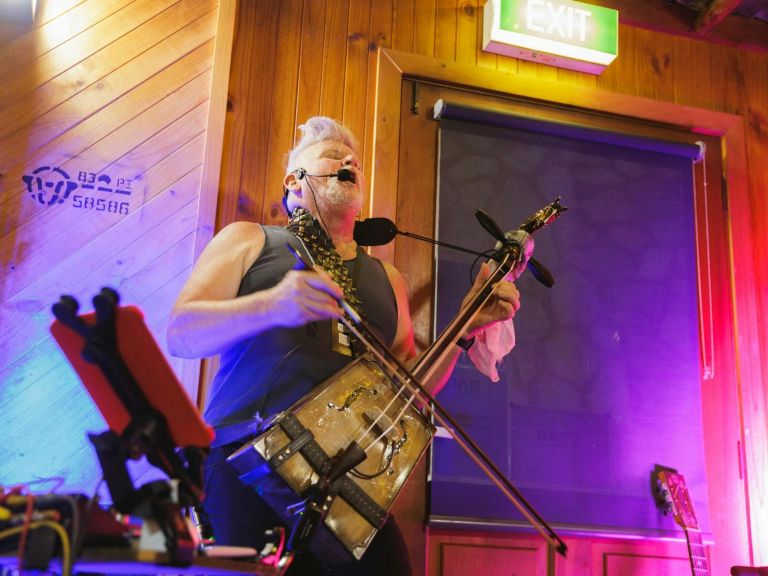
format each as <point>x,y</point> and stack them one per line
<point>447,245</point>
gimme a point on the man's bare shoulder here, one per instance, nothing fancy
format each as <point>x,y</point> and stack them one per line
<point>403,346</point>
<point>240,242</point>
<point>396,277</point>
<point>242,231</point>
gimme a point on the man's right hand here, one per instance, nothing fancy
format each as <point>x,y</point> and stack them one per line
<point>304,296</point>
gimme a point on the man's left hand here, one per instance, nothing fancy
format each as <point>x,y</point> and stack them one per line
<point>502,305</point>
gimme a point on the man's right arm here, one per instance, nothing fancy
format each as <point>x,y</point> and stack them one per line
<point>208,317</point>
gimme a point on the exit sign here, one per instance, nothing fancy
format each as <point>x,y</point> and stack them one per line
<point>561,33</point>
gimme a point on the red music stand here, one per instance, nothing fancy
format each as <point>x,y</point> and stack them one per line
<point>146,408</point>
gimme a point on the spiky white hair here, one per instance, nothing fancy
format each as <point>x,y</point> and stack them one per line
<point>316,129</point>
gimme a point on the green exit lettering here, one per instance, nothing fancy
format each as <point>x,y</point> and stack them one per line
<point>566,22</point>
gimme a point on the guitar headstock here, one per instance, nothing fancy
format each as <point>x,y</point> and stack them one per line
<point>674,494</point>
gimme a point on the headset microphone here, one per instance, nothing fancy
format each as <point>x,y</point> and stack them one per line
<point>343,174</point>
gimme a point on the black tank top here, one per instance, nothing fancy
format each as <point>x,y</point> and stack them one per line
<point>268,373</point>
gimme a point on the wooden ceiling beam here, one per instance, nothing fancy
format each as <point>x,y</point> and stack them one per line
<point>716,12</point>
<point>662,16</point>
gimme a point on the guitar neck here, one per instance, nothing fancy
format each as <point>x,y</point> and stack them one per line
<point>696,552</point>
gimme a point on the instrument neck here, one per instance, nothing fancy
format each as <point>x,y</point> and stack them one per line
<point>433,356</point>
<point>697,553</point>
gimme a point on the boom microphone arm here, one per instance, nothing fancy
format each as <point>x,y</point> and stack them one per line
<point>380,231</point>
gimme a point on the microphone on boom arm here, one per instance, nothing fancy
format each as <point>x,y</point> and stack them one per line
<point>380,231</point>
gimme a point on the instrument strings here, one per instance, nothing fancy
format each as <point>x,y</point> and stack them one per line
<point>406,377</point>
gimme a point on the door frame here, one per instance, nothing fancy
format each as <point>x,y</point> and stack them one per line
<point>383,162</point>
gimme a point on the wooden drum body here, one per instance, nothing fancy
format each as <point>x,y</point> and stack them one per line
<point>300,444</point>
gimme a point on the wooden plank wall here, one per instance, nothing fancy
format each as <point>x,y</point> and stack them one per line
<point>296,58</point>
<point>112,94</point>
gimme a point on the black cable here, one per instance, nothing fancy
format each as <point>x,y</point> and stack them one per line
<point>311,329</point>
<point>319,211</point>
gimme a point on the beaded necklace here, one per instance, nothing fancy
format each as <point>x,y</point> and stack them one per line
<point>304,225</point>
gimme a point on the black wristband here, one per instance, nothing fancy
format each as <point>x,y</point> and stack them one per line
<point>465,343</point>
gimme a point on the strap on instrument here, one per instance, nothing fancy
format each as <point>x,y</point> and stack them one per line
<point>302,441</point>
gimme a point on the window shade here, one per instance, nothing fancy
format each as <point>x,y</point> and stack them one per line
<point>604,382</point>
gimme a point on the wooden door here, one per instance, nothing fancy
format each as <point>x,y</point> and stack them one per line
<point>415,212</point>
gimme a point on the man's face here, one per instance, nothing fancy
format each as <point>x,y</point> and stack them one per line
<point>327,157</point>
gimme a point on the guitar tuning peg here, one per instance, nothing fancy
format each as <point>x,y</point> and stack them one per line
<point>667,505</point>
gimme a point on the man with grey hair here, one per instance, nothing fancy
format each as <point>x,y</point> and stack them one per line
<point>278,331</point>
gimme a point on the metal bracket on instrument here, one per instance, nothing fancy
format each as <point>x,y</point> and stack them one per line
<point>290,449</point>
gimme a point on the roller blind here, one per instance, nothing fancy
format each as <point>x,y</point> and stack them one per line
<point>604,382</point>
